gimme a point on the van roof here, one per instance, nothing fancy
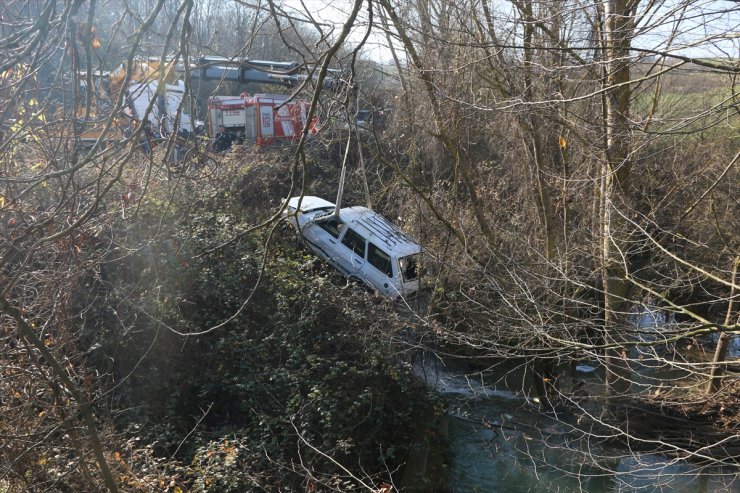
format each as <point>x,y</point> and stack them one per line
<point>380,230</point>
<point>377,228</point>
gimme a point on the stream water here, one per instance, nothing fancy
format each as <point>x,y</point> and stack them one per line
<point>499,441</point>
<point>652,321</point>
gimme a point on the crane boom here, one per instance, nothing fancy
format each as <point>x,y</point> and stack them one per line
<point>289,74</point>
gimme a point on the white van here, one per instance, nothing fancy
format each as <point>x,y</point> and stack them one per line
<point>360,243</point>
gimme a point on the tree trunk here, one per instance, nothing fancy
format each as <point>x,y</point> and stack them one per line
<point>715,375</point>
<point>533,126</point>
<point>618,33</point>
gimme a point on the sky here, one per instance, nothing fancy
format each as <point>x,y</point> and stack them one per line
<point>702,20</point>
<point>336,13</point>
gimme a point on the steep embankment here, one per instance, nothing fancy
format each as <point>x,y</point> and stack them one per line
<point>227,359</point>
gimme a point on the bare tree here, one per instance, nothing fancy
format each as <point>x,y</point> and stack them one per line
<point>609,244</point>
<point>565,170</point>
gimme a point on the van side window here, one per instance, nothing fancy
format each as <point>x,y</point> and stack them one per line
<point>379,259</point>
<point>333,226</point>
<point>354,242</point>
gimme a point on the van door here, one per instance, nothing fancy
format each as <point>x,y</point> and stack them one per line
<point>379,270</point>
<point>322,237</point>
<point>351,253</point>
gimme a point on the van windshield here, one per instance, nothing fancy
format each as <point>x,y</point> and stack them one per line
<point>409,267</point>
<point>332,226</point>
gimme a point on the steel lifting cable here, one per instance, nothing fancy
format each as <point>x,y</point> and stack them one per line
<point>342,175</point>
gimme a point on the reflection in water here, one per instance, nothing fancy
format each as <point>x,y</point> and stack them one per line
<point>500,442</point>
<point>733,351</point>
<point>650,322</point>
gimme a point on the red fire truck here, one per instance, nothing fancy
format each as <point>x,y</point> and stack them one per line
<point>260,118</point>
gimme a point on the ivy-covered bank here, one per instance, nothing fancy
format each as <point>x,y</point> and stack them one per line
<point>234,361</point>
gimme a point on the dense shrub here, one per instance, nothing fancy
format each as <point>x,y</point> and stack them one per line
<point>301,378</point>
